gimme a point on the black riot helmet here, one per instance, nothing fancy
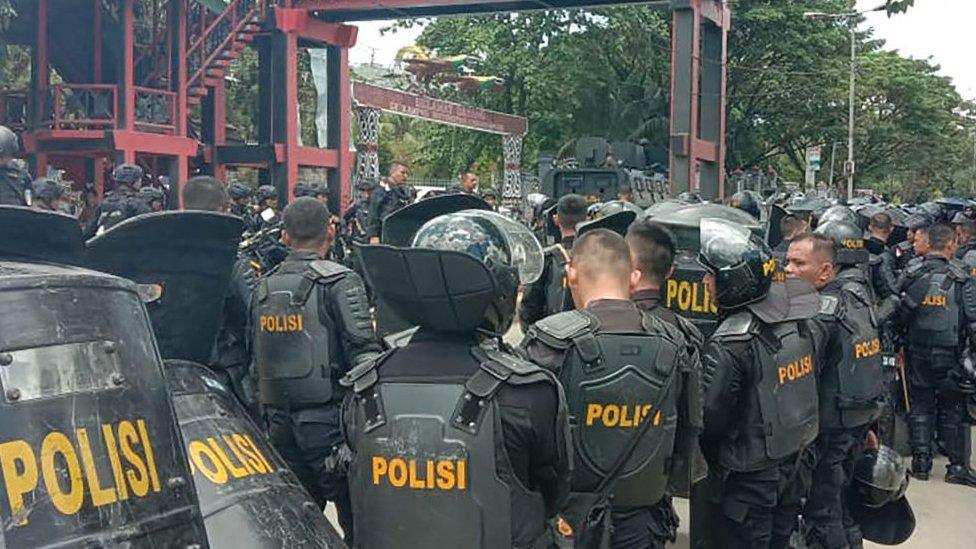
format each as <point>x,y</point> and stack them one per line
<point>740,261</point>
<point>934,210</point>
<point>46,190</point>
<point>9,144</point>
<point>880,477</point>
<point>461,273</point>
<point>919,220</point>
<point>152,194</point>
<point>127,174</point>
<point>303,189</point>
<point>837,212</point>
<point>266,192</point>
<point>747,201</point>
<point>848,240</point>
<point>238,191</point>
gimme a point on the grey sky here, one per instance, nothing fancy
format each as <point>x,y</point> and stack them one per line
<point>940,29</point>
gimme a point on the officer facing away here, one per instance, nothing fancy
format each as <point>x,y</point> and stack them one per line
<point>457,442</point>
<point>938,318</point>
<point>850,384</point>
<point>310,325</point>
<point>620,367</point>
<point>46,194</point>
<point>760,389</point>
<point>13,181</point>
<point>550,294</point>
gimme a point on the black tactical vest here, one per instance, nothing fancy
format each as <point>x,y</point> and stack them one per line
<point>854,397</point>
<point>430,467</point>
<point>558,296</point>
<point>294,346</point>
<point>784,390</point>
<point>935,301</point>
<point>969,260</point>
<point>613,382</point>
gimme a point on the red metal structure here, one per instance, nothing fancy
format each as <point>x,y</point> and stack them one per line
<point>144,81</point>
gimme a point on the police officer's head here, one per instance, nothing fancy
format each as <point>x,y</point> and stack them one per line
<point>570,211</point>
<point>365,189</point>
<point>205,193</point>
<point>490,197</point>
<point>747,201</point>
<point>267,197</point>
<point>399,172</point>
<point>880,226</point>
<point>965,228</point>
<point>939,239</point>
<point>469,182</point>
<point>837,212</point>
<point>127,176</point>
<point>918,221</point>
<point>155,199</point>
<point>239,194</point>
<point>601,268</point>
<point>792,226</point>
<point>652,250</point>
<point>46,194</point>
<point>812,257</point>
<point>302,189</point>
<point>740,265</point>
<point>321,193</point>
<point>849,241</point>
<point>9,145</point>
<point>306,226</point>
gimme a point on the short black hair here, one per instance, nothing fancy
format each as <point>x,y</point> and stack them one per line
<point>880,221</point>
<point>790,224</point>
<point>571,209</point>
<point>306,221</point>
<point>940,235</point>
<point>602,252</point>
<point>652,245</point>
<point>205,193</point>
<point>822,245</point>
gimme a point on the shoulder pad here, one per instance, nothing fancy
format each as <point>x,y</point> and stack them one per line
<point>828,305</point>
<point>567,325</point>
<point>914,267</point>
<point>328,270</point>
<point>691,332</point>
<point>875,259</point>
<point>518,366</point>
<point>559,252</point>
<point>859,291</point>
<point>737,326</point>
<point>958,270</point>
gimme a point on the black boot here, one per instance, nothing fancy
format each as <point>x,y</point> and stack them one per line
<point>960,474</point>
<point>921,427</point>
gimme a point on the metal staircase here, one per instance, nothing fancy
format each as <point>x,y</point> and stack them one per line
<point>219,43</point>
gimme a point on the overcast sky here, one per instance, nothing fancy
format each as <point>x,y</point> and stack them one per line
<point>940,29</point>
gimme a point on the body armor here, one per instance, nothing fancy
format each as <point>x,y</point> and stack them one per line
<point>430,468</point>
<point>294,349</point>
<point>615,381</point>
<point>969,260</point>
<point>558,296</point>
<point>932,296</point>
<point>781,417</point>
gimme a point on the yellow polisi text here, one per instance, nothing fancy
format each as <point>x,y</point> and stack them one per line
<point>66,462</point>
<point>689,296</point>
<point>421,474</point>
<point>618,415</point>
<point>227,457</point>
<point>934,301</point>
<point>866,349</point>
<point>281,323</point>
<point>796,370</point>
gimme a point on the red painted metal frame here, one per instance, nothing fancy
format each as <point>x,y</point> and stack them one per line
<point>236,23</point>
<point>154,126</point>
<point>58,122</point>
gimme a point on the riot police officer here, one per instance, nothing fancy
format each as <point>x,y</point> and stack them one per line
<point>938,317</point>
<point>621,368</point>
<point>392,193</point>
<point>759,369</point>
<point>791,226</point>
<point>356,216</point>
<point>240,197</point>
<point>850,380</point>
<point>153,198</point>
<point>748,201</point>
<point>456,441</point>
<point>965,227</point>
<point>122,202</point>
<point>904,251</point>
<point>310,324</point>
<point>13,181</point>
<point>882,260</point>
<point>46,194</point>
<point>550,294</point>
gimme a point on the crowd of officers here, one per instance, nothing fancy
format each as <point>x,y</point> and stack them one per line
<point>611,404</point>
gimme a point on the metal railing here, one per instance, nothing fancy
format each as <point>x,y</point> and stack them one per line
<point>13,109</point>
<point>155,110</point>
<point>218,35</point>
<point>80,106</point>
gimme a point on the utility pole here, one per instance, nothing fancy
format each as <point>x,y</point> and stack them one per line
<point>849,168</point>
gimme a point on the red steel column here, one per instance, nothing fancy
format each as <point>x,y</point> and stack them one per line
<point>127,93</point>
<point>345,157</point>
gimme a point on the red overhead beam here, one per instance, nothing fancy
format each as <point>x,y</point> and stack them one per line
<point>362,10</point>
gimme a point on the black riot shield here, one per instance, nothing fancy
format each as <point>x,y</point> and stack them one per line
<point>90,453</point>
<point>398,230</point>
<point>248,496</point>
<point>774,233</point>
<point>400,226</point>
<point>189,256</point>
<point>40,236</point>
<point>618,222</point>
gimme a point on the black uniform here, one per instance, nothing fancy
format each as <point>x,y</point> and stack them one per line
<point>761,413</point>
<point>231,357</point>
<point>385,201</point>
<point>550,294</point>
<point>355,220</point>
<point>310,325</point>
<point>851,390</point>
<point>13,185</point>
<point>938,315</point>
<point>593,361</point>
<point>903,253</point>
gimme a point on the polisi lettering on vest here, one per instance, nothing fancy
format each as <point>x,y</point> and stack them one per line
<point>66,464</point>
<point>281,323</point>
<point>689,296</point>
<point>421,474</point>
<point>795,370</point>
<point>619,415</point>
<point>934,300</point>
<point>866,349</point>
<point>227,457</point>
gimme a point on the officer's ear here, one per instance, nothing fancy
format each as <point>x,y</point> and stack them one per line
<point>635,278</point>
<point>286,238</point>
